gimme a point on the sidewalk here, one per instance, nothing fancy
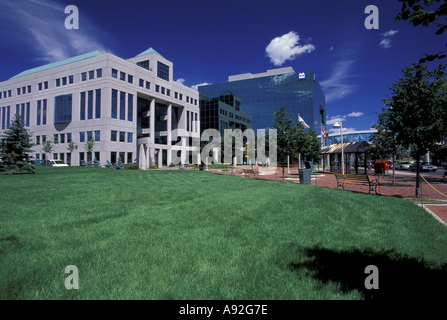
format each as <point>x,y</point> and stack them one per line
<point>433,200</point>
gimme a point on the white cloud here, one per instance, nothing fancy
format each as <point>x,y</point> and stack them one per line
<point>286,48</point>
<point>181,81</point>
<point>196,86</point>
<point>355,114</point>
<point>331,49</point>
<point>40,25</point>
<point>386,38</point>
<point>342,118</point>
<point>337,86</point>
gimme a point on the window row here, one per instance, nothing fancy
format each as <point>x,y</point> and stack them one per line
<point>122,76</point>
<point>5,94</point>
<point>24,90</point>
<point>121,136</point>
<point>122,105</point>
<point>85,136</point>
<point>192,123</point>
<point>91,74</point>
<point>22,110</point>
<point>58,138</point>
<point>64,81</point>
<point>90,104</point>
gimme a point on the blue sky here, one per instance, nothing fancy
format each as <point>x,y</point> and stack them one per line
<point>209,40</point>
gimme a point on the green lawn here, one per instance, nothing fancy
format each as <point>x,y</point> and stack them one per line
<point>196,235</point>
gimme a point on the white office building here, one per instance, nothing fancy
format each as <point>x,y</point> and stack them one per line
<point>132,109</point>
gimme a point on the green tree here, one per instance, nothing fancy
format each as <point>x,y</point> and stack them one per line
<point>89,146</point>
<point>47,147</point>
<point>384,144</point>
<point>431,14</point>
<point>416,110</point>
<point>16,145</point>
<point>286,141</point>
<point>71,146</point>
<point>293,139</point>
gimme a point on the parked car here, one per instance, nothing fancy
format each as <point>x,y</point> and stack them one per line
<point>403,165</point>
<point>41,163</point>
<point>58,163</point>
<point>425,166</point>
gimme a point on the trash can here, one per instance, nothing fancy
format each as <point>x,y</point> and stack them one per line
<point>306,174</point>
<point>381,167</point>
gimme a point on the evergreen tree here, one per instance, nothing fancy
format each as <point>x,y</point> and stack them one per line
<point>16,145</point>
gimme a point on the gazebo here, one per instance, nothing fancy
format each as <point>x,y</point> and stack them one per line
<point>355,155</point>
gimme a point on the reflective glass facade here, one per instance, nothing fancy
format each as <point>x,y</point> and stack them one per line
<point>261,96</point>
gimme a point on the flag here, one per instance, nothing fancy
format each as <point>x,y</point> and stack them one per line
<point>303,122</point>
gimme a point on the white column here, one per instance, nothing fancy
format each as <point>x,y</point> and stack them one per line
<point>160,158</point>
<point>152,121</point>
<point>142,158</point>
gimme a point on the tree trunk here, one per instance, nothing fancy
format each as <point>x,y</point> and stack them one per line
<point>394,169</point>
<point>418,170</point>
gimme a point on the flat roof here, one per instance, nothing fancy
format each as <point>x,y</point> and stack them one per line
<point>59,63</point>
<point>271,72</point>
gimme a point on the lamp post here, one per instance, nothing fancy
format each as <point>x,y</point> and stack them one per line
<point>340,125</point>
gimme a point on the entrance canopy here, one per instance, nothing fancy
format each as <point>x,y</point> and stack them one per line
<point>348,147</point>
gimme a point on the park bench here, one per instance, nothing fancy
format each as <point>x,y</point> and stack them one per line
<point>251,172</point>
<point>357,179</point>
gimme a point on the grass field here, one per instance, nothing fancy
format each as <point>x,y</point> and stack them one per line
<point>197,235</point>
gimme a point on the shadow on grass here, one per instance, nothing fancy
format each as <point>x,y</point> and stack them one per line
<point>399,277</point>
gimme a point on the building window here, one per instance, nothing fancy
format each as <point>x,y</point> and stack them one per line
<point>81,136</point>
<point>38,140</point>
<point>129,157</point>
<point>98,73</point>
<point>148,85</point>
<point>56,138</point>
<point>98,104</point>
<point>114,104</point>
<point>157,88</point>
<point>122,136</point>
<point>130,137</point>
<point>83,76</point>
<point>122,76</point>
<point>162,71</point>
<point>141,83</point>
<point>70,79</point>
<point>143,64</point>
<point>64,81</point>
<point>62,108</point>
<point>113,135</point>
<point>113,157</point>
<point>90,105</point>
<point>97,135</point>
<point>122,105</point>
<point>62,138</point>
<point>130,78</point>
<point>114,73</point>
<point>130,107</point>
<point>91,74</point>
<point>82,106</point>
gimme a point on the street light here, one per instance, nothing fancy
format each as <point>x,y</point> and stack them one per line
<point>340,125</point>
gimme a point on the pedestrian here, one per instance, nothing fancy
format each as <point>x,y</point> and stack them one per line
<point>445,171</point>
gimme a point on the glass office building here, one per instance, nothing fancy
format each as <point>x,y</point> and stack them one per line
<point>262,94</point>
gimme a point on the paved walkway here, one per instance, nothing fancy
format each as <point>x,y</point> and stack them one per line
<point>434,189</point>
